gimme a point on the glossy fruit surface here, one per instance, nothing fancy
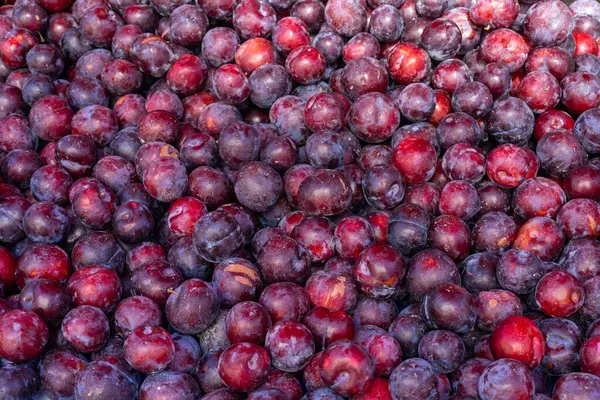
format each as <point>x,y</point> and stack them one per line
<point>299,199</point>
<point>520,339</point>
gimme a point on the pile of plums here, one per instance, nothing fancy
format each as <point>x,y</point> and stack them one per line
<point>299,199</point>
